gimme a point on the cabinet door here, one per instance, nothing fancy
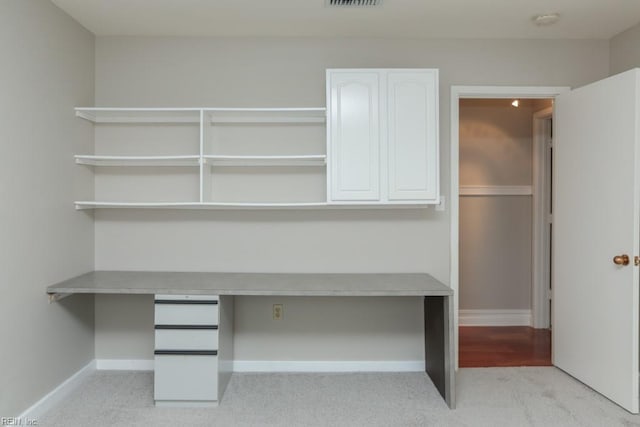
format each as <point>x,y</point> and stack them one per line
<point>354,135</point>
<point>412,135</point>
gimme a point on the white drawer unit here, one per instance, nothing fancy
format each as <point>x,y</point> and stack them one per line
<point>187,368</point>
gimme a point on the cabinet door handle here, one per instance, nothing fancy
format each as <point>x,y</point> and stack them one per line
<point>188,327</point>
<point>186,301</point>
<point>186,352</point>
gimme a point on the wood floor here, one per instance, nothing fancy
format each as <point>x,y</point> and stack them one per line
<point>488,346</point>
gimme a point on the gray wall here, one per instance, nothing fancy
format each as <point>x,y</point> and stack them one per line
<point>495,142</point>
<point>495,231</point>
<point>495,253</point>
<point>47,69</point>
<point>625,50</point>
<point>141,71</point>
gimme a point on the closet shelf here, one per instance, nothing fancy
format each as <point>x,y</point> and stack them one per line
<point>93,160</point>
<point>496,190</point>
<point>293,160</point>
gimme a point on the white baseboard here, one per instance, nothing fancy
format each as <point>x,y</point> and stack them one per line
<point>58,394</point>
<point>124,364</point>
<point>281,365</point>
<point>494,317</point>
<point>327,366</point>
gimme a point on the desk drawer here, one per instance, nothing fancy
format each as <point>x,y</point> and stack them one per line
<point>171,312</point>
<point>186,339</point>
<point>186,377</point>
<point>182,297</point>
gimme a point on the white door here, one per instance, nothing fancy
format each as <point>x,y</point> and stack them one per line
<point>412,134</point>
<point>596,217</point>
<point>354,135</point>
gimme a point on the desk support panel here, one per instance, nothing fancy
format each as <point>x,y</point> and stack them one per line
<point>438,339</point>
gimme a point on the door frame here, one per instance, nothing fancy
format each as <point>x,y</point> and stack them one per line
<point>541,250</point>
<point>461,92</point>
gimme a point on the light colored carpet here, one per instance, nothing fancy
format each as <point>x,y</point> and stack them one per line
<point>486,397</point>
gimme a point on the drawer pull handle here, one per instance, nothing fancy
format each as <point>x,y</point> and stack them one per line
<point>186,301</point>
<point>198,327</point>
<point>186,352</point>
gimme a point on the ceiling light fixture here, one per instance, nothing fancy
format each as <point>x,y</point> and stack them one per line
<point>515,103</point>
<point>545,19</point>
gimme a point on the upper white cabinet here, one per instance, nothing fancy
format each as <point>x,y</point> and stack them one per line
<point>382,136</point>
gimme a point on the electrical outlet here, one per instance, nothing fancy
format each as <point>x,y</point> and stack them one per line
<point>277,312</point>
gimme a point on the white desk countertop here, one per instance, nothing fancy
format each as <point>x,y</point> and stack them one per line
<point>283,284</point>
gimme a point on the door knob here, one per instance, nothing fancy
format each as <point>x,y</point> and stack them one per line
<point>621,259</point>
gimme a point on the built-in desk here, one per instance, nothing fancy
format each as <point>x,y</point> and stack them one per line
<point>438,299</point>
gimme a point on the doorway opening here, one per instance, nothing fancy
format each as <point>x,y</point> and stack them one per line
<point>501,224</point>
<point>498,142</point>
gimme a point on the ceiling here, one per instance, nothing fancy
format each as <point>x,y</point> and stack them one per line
<point>579,19</point>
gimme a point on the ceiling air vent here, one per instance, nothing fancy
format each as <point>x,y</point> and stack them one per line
<point>353,3</point>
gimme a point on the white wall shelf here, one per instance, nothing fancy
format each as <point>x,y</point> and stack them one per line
<point>145,131</point>
<point>93,160</point>
<point>197,205</point>
<point>139,115</point>
<point>84,205</point>
<point>301,160</point>
<point>266,115</point>
<point>192,115</point>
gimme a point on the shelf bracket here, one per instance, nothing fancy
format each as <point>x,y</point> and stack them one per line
<point>55,297</point>
<point>86,115</point>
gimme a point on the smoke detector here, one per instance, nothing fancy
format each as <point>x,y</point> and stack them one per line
<point>546,19</point>
<point>352,3</point>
